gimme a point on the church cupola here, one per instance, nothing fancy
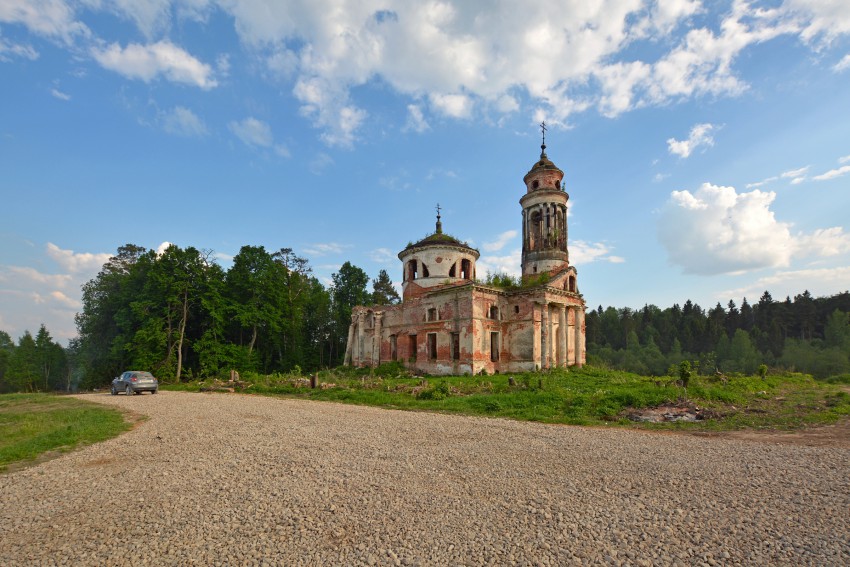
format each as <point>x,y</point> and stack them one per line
<point>437,259</point>
<point>544,217</point>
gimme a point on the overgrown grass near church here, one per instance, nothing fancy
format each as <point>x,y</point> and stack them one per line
<point>587,396</point>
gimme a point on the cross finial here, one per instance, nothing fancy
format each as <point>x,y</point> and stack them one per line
<point>438,211</point>
<point>439,224</point>
<point>543,145</point>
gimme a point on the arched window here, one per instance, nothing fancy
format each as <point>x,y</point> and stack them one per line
<point>411,270</point>
<point>466,269</point>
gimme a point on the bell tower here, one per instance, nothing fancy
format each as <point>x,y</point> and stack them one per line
<point>544,217</point>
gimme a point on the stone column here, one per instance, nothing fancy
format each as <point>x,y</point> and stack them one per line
<point>544,337</point>
<point>359,357</point>
<point>376,344</point>
<point>349,345</point>
<point>579,336</point>
<point>564,359</point>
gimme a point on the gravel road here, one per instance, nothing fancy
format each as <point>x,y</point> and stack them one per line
<point>217,479</point>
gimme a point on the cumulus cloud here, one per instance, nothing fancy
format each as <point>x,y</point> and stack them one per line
<point>147,62</point>
<point>843,64</point>
<point>76,262</point>
<point>819,19</point>
<point>453,105</point>
<point>30,297</point>
<point>460,57</point>
<point>717,230</point>
<point>183,122</point>
<point>700,136</point>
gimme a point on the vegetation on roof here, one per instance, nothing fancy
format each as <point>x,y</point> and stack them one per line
<point>438,238</point>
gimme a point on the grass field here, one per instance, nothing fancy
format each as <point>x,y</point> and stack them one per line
<point>32,425</point>
<point>587,396</point>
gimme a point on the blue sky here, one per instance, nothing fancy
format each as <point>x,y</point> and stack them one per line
<point>705,145</point>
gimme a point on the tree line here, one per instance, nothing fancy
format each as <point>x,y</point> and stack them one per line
<point>804,334</point>
<point>180,315</point>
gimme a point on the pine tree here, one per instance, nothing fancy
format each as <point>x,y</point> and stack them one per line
<point>383,291</point>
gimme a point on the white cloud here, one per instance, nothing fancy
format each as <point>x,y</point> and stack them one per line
<point>59,94</point>
<point>30,297</point>
<point>510,264</point>
<point>582,252</point>
<point>383,256</point>
<point>717,230</point>
<point>415,119</point>
<point>843,64</point>
<point>454,105</point>
<point>252,132</point>
<point>794,173</point>
<point>17,50</point>
<point>609,55</point>
<point>325,248</point>
<point>183,122</point>
<point>147,62</point>
<point>819,19</point>
<point>700,136</point>
<point>160,250</point>
<point>76,262</point>
<point>844,159</point>
<point>50,18</point>
<point>833,173</point>
<point>149,16</point>
<point>500,241</point>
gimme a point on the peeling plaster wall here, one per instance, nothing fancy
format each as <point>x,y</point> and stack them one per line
<point>466,310</point>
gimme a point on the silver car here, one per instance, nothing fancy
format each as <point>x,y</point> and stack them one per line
<point>135,382</point>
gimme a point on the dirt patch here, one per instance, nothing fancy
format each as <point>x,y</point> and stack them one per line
<point>669,413</point>
<point>835,435</point>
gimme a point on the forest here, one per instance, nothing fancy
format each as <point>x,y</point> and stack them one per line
<point>182,316</point>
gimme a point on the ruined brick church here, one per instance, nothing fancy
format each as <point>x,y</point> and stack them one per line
<point>450,324</point>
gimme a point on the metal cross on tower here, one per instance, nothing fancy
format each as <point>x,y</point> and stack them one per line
<point>543,145</point>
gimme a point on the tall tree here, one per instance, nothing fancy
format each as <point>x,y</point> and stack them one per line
<point>51,360</point>
<point>7,347</point>
<point>24,374</point>
<point>349,290</point>
<point>383,291</point>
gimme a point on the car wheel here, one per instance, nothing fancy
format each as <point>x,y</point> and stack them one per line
<point>154,391</point>
<point>128,390</point>
<point>113,391</point>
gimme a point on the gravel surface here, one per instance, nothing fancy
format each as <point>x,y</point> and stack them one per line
<point>217,479</point>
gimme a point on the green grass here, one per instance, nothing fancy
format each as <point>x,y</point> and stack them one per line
<point>32,425</point>
<point>587,396</point>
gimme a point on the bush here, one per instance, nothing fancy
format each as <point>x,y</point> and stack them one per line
<point>440,391</point>
<point>394,369</point>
